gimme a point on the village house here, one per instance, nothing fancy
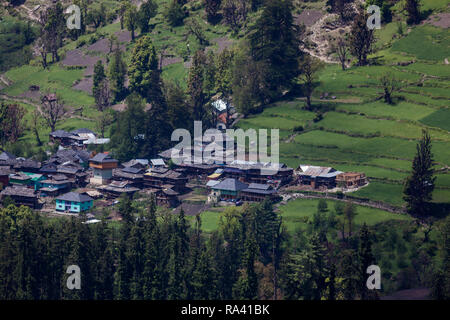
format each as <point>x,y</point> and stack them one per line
<point>55,185</point>
<point>21,196</point>
<point>228,189</point>
<point>66,156</point>
<point>103,165</point>
<point>167,197</point>
<point>259,172</point>
<point>74,202</point>
<point>317,177</point>
<point>136,163</point>
<point>27,179</point>
<point>4,177</point>
<point>233,189</point>
<point>76,139</point>
<point>257,192</point>
<point>134,176</point>
<point>157,163</point>
<point>351,180</point>
<point>5,156</point>
<point>116,188</point>
<point>159,177</point>
<point>19,164</point>
<point>61,137</point>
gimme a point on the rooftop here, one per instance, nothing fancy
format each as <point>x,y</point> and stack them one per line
<point>230,185</point>
<point>19,191</point>
<point>5,155</point>
<point>75,197</point>
<point>102,158</point>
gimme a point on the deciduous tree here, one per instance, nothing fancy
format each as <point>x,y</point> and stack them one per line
<point>361,38</point>
<point>52,109</point>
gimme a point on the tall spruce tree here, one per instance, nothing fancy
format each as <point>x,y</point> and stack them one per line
<point>99,76</point>
<point>274,39</point>
<point>412,8</point>
<point>366,259</point>
<point>419,186</point>
<point>196,91</point>
<point>117,72</point>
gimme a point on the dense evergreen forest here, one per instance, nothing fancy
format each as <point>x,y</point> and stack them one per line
<point>154,254</point>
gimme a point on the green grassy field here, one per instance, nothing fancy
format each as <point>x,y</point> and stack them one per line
<point>359,132</point>
<point>297,213</point>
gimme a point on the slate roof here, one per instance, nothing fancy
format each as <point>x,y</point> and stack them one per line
<point>132,170</point>
<point>19,191</point>
<point>81,131</point>
<point>103,158</point>
<point>157,162</point>
<point>75,197</point>
<point>133,162</point>
<point>230,185</point>
<point>60,134</point>
<point>260,188</point>
<point>49,168</point>
<point>170,174</point>
<point>316,171</point>
<point>71,155</point>
<point>5,155</point>
<point>25,164</point>
<point>212,183</point>
<point>170,192</point>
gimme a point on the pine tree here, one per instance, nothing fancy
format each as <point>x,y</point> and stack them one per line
<point>99,76</point>
<point>349,272</point>
<point>117,72</point>
<point>126,134</point>
<point>366,259</point>
<point>247,286</point>
<point>274,39</point>
<point>176,106</point>
<point>412,8</point>
<point>418,188</point>
<point>124,269</point>
<point>196,90</point>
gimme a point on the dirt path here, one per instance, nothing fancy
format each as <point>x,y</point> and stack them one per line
<point>30,13</point>
<point>69,114</point>
<point>321,46</point>
<point>5,80</point>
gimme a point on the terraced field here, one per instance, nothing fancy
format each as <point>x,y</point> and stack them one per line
<point>371,136</point>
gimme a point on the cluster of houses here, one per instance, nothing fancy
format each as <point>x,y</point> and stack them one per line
<point>99,175</point>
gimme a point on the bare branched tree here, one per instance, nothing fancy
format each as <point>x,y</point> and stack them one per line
<point>309,67</point>
<point>389,85</point>
<point>103,95</point>
<point>341,49</point>
<point>52,109</point>
<point>36,122</point>
<point>105,119</point>
<point>196,29</point>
